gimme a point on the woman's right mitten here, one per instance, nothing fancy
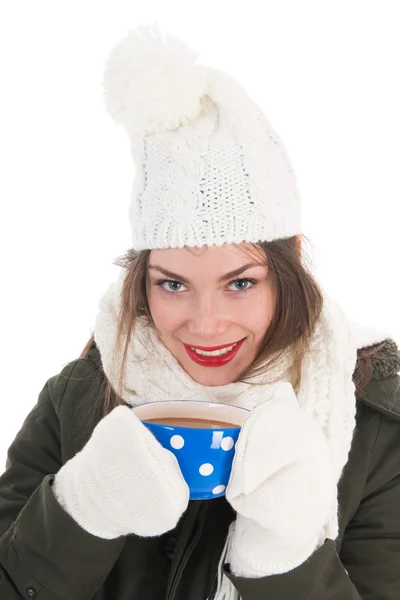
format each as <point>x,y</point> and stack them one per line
<point>123,481</point>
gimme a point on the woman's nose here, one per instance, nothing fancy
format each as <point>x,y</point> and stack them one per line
<point>207,319</point>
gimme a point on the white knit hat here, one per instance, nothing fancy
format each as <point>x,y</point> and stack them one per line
<point>209,167</point>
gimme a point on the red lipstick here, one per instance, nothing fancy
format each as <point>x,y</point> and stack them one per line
<point>213,361</point>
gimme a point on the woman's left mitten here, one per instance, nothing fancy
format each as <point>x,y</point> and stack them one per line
<point>281,487</point>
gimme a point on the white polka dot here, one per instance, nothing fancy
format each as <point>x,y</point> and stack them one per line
<point>177,442</point>
<point>206,469</point>
<point>227,443</point>
<point>218,489</point>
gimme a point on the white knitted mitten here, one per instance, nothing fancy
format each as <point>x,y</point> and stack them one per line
<point>281,487</point>
<point>123,481</point>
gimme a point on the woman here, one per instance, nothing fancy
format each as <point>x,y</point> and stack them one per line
<point>91,505</point>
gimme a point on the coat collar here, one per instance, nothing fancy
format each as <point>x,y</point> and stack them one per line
<point>383,391</point>
<point>386,361</point>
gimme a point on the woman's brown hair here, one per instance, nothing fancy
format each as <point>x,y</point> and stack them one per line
<point>298,304</point>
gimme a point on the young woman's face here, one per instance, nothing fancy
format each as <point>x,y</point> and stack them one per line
<point>195,304</point>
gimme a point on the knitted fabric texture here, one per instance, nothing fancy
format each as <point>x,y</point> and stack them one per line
<point>326,391</point>
<point>209,168</point>
<point>123,481</point>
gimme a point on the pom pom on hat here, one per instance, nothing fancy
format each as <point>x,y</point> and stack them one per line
<point>152,84</point>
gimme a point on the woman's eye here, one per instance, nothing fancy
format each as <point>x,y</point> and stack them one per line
<point>174,287</point>
<point>168,282</point>
<point>241,282</point>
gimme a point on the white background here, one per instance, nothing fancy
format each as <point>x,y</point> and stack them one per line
<point>327,77</point>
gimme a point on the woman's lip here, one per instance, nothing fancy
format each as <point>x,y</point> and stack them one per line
<point>214,361</point>
<point>211,348</point>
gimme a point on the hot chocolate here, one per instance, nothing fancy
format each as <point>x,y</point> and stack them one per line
<point>189,422</point>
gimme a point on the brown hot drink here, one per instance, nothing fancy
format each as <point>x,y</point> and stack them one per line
<point>189,422</point>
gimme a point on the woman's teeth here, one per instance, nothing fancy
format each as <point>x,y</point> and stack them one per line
<point>215,352</point>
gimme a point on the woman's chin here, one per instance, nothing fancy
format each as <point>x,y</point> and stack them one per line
<point>211,376</point>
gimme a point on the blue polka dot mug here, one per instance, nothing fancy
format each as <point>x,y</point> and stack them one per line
<point>204,455</point>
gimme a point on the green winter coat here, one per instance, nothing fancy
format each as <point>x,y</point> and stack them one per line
<point>44,554</point>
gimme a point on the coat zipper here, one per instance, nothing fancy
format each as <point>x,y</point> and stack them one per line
<point>214,587</point>
<point>184,560</point>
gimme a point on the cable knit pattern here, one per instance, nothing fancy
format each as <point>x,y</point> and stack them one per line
<point>206,184</point>
<point>326,391</point>
<point>209,168</point>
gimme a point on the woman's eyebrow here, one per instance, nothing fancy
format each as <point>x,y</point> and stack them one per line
<point>229,275</point>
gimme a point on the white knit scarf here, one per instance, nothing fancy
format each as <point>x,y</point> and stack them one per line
<point>326,390</point>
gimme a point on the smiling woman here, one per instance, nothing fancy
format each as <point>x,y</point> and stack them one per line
<point>215,304</point>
